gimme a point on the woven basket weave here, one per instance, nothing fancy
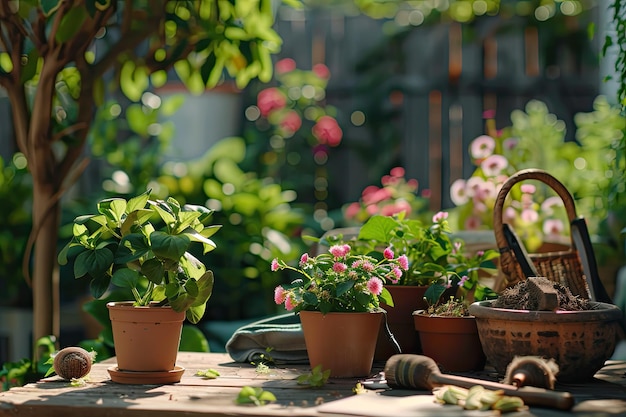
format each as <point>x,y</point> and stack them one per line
<point>565,266</point>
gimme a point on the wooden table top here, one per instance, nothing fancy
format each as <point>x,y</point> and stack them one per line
<point>605,395</point>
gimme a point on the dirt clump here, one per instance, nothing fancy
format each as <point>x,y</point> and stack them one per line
<point>523,296</point>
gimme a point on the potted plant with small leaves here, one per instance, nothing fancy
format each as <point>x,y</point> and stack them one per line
<point>144,245</point>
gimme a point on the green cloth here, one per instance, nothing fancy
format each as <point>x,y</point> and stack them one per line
<point>281,334</point>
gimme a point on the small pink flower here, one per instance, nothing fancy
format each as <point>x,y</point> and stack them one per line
<point>403,260</point>
<point>279,295</point>
<point>463,280</point>
<point>289,304</point>
<point>291,122</point>
<point>321,71</point>
<point>375,285</point>
<point>494,165</point>
<point>327,131</point>
<point>510,143</point>
<point>285,65</point>
<point>528,188</point>
<point>337,251</point>
<point>269,100</point>
<point>440,216</point>
<point>482,147</point>
<point>304,259</point>
<point>456,247</point>
<point>376,196</point>
<point>489,114</point>
<point>388,253</point>
<point>275,265</point>
<point>339,267</point>
<point>367,266</point>
<point>413,184</point>
<point>397,273</point>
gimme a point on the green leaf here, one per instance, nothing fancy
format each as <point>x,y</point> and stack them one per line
<point>378,228</point>
<point>49,6</point>
<point>29,70</point>
<point>99,285</point>
<point>386,297</point>
<point>343,288</point>
<point>154,270</point>
<point>113,209</point>
<point>138,202</point>
<point>125,278</point>
<point>94,263</point>
<point>167,246</point>
<point>6,65</point>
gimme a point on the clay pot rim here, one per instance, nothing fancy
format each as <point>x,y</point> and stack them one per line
<point>130,304</point>
<point>600,312</point>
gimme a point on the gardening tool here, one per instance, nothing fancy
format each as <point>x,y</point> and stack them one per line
<point>531,371</point>
<point>421,372</point>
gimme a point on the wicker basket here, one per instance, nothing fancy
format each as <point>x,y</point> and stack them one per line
<point>516,264</point>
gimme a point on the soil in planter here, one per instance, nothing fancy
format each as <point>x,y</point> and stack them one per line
<point>521,297</point>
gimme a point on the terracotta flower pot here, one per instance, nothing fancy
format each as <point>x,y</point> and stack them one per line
<point>341,342</point>
<point>579,341</point>
<point>452,342</point>
<point>146,338</point>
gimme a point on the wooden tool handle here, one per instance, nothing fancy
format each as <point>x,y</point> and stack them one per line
<point>531,395</point>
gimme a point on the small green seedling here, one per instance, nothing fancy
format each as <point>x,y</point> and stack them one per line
<point>254,395</point>
<point>208,373</point>
<point>263,367</point>
<point>316,378</point>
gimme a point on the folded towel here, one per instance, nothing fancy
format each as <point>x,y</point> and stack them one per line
<point>279,337</point>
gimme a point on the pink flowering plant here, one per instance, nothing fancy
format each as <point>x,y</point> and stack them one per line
<point>535,214</point>
<point>435,258</point>
<point>397,194</point>
<point>340,280</point>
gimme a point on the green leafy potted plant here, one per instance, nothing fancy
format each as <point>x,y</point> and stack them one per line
<point>435,258</point>
<point>337,296</point>
<point>144,245</point>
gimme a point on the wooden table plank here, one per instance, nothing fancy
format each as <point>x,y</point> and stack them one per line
<point>195,396</point>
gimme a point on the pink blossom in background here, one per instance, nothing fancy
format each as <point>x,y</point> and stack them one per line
<point>269,100</point>
<point>472,223</point>
<point>528,188</point>
<point>376,196</point>
<point>494,165</point>
<point>508,215</point>
<point>291,122</point>
<point>352,210</point>
<point>285,65</point>
<point>371,209</point>
<point>321,71</point>
<point>510,143</point>
<point>482,147</point>
<point>550,203</point>
<point>396,207</point>
<point>553,227</point>
<point>529,216</point>
<point>375,286</point>
<point>279,295</point>
<point>403,260</point>
<point>458,192</point>
<point>489,114</point>
<point>397,172</point>
<point>304,259</point>
<point>473,186</point>
<point>327,131</point>
<point>413,184</point>
<point>388,253</point>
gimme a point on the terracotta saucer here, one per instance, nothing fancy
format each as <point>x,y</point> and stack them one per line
<point>135,377</point>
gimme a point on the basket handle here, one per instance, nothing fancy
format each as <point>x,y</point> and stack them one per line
<point>523,175</point>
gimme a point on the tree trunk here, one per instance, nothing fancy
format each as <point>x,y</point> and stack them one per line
<point>45,270</point>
